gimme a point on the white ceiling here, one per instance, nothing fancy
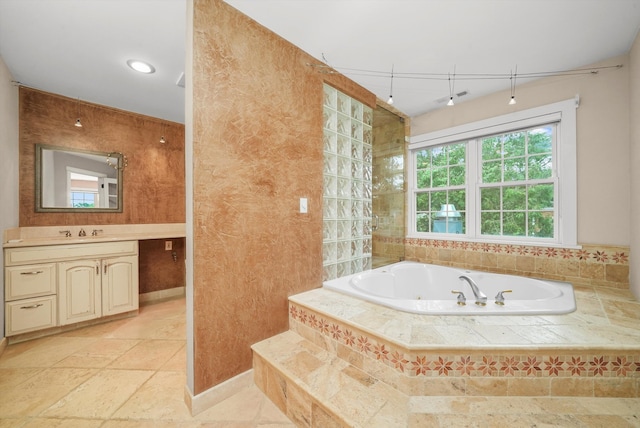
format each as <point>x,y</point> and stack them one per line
<point>79,48</point>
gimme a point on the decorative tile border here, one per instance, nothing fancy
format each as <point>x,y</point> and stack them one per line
<point>567,364</point>
<point>592,264</point>
<point>599,254</point>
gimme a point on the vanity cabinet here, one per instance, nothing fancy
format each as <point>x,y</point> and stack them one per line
<point>57,285</point>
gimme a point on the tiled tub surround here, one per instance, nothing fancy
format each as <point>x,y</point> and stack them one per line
<point>591,264</point>
<point>594,351</point>
<point>347,362</point>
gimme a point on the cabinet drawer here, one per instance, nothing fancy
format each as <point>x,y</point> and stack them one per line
<point>29,281</point>
<point>52,253</point>
<point>30,314</point>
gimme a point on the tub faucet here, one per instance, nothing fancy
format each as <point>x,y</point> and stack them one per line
<point>481,298</point>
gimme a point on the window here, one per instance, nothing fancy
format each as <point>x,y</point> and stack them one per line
<point>507,179</point>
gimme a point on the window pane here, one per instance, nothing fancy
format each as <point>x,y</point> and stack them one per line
<point>439,156</point>
<point>457,154</point>
<point>514,144</point>
<point>491,148</point>
<point>490,199</point>
<point>514,169</point>
<point>540,166</point>
<point>492,172</point>
<point>541,197</point>
<point>422,202</point>
<point>490,223</point>
<point>440,177</point>
<point>514,224</point>
<point>458,199</point>
<point>457,175</point>
<point>423,159</point>
<point>541,224</point>
<point>422,222</point>
<point>514,198</point>
<point>424,178</point>
<point>540,140</point>
<point>438,199</point>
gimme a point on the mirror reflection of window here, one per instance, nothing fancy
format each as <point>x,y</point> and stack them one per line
<point>83,190</point>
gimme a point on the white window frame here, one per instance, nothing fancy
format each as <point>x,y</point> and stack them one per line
<point>565,170</point>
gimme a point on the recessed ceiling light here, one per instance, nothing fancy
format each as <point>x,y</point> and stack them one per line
<point>141,66</point>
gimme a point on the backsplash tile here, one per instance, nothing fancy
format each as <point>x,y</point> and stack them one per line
<point>592,264</point>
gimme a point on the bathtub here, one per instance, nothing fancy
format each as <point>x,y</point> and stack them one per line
<point>427,289</point>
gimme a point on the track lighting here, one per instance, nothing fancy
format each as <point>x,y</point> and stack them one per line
<point>390,100</point>
<point>451,86</point>
<point>512,101</point>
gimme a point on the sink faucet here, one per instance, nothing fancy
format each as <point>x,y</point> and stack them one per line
<point>82,233</point>
<point>481,298</point>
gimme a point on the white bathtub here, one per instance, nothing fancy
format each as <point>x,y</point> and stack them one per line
<point>427,289</point>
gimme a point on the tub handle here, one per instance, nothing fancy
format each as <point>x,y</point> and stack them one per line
<point>461,299</point>
<point>500,297</point>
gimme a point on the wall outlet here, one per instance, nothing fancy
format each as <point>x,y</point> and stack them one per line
<point>168,245</point>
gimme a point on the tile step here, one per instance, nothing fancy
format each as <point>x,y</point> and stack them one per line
<point>315,388</point>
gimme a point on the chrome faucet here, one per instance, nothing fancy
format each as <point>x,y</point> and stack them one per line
<point>82,233</point>
<point>481,298</point>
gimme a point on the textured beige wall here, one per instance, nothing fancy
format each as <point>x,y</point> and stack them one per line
<point>257,148</point>
<point>154,189</point>
<point>8,162</point>
<point>634,114</point>
<point>603,141</point>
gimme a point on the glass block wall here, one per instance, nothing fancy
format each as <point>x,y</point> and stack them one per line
<point>347,204</point>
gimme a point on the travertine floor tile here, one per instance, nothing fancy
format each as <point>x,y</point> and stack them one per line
<point>98,354</point>
<point>160,398</point>
<point>100,396</point>
<point>62,423</point>
<point>44,353</point>
<point>41,391</point>
<point>148,355</point>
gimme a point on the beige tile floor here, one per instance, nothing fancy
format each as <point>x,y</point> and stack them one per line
<point>125,373</point>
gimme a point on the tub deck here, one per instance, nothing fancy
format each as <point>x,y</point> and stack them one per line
<point>605,319</point>
<point>355,363</point>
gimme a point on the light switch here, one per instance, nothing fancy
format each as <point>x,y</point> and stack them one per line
<point>303,205</point>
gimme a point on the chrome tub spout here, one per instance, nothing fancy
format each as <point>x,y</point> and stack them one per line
<point>481,298</point>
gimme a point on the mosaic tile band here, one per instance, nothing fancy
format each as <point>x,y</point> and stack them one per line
<point>452,363</point>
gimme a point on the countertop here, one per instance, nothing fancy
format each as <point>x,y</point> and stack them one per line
<point>51,235</point>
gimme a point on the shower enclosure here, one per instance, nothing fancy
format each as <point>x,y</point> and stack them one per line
<point>350,160</point>
<point>388,189</point>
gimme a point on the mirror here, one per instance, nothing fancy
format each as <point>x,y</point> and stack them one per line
<point>71,180</point>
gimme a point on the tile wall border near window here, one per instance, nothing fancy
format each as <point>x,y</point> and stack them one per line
<point>602,265</point>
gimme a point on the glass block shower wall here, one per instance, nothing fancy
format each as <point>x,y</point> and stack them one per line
<point>347,185</point>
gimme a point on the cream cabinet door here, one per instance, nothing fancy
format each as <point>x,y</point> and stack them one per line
<point>119,285</point>
<point>79,291</point>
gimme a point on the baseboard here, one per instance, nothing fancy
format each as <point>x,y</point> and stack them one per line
<point>154,296</point>
<point>218,393</point>
<point>3,344</point>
